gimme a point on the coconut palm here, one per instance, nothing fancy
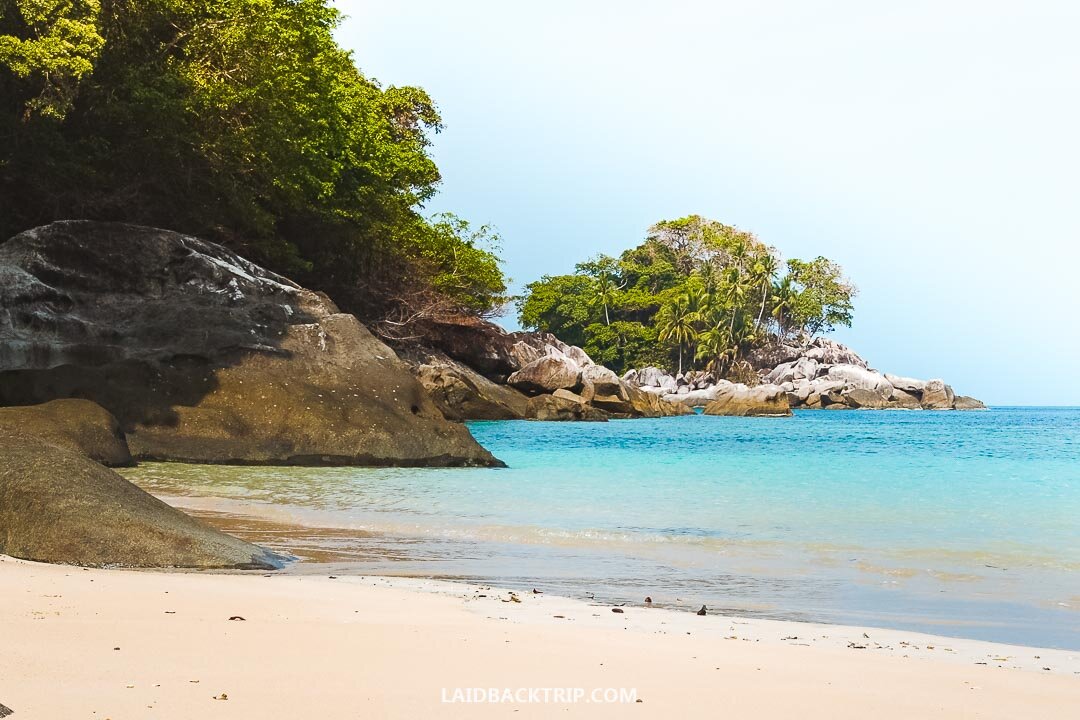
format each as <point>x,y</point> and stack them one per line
<point>764,273</point>
<point>675,323</point>
<point>736,291</point>
<point>606,290</point>
<point>783,300</point>
<point>715,348</point>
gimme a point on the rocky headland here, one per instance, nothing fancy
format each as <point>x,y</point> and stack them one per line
<point>205,357</point>
<point>823,374</point>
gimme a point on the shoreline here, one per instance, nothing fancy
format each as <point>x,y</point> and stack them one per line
<point>342,647</point>
<point>878,586</point>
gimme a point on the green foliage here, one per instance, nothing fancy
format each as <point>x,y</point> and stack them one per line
<point>676,322</point>
<point>240,120</point>
<point>622,343</point>
<point>461,263</point>
<point>822,299</point>
<point>560,304</point>
<point>48,46</point>
<point>695,288</point>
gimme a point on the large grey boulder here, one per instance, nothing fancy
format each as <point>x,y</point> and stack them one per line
<point>59,505</point>
<point>669,384</point>
<point>546,375</point>
<point>908,385</point>
<point>529,347</point>
<point>964,402</point>
<point>867,399</point>
<point>738,399</point>
<point>645,404</point>
<point>694,398</point>
<point>829,352</point>
<point>781,374</point>
<point>854,376</point>
<point>803,390</point>
<point>599,380</point>
<point>462,394</point>
<point>937,395</point>
<point>804,369</point>
<point>563,406</point>
<point>203,356</point>
<point>649,377</point>
<point>903,400</point>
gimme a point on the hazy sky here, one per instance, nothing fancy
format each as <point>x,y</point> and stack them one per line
<point>932,148</point>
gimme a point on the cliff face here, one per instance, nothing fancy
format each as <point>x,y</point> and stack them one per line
<point>205,357</point>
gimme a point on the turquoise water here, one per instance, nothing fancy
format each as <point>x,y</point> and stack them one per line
<point>965,524</point>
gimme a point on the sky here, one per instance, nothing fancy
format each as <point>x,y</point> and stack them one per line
<point>931,148</point>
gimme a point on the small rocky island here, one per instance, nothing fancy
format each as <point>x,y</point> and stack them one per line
<point>823,374</point>
<point>477,371</point>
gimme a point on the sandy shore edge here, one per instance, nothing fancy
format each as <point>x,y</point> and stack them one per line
<point>131,644</point>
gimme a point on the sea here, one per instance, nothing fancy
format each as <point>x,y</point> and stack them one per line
<point>964,524</point>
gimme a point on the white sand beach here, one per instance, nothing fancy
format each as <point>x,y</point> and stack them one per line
<point>115,644</point>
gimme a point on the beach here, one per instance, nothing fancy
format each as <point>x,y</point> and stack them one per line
<point>916,521</point>
<point>92,643</point>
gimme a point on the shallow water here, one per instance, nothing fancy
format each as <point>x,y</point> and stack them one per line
<point>964,524</point>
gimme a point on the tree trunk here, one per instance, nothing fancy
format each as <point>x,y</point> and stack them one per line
<point>761,313</point>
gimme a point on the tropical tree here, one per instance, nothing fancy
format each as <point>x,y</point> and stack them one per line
<point>675,323</point>
<point>824,298</point>
<point>242,121</point>
<point>49,46</point>
<point>693,284</point>
<point>606,290</point>
<point>764,272</point>
<point>715,347</point>
<point>783,296</point>
<point>736,291</point>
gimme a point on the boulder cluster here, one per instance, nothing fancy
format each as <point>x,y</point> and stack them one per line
<point>822,375</point>
<point>537,377</point>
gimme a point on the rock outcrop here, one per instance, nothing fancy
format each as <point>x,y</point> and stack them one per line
<point>501,375</point>
<point>60,504</point>
<point>563,405</point>
<point>546,375</point>
<point>740,400</point>
<point>205,357</point>
<point>823,375</point>
<point>76,425</point>
<point>965,402</point>
<point>461,393</point>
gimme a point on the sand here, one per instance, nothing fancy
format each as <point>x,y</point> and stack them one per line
<point>129,644</point>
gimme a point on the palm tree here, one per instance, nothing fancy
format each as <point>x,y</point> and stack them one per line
<point>605,293</point>
<point>715,347</point>
<point>783,298</point>
<point>675,322</point>
<point>765,271</point>
<point>709,282</point>
<point>735,292</point>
